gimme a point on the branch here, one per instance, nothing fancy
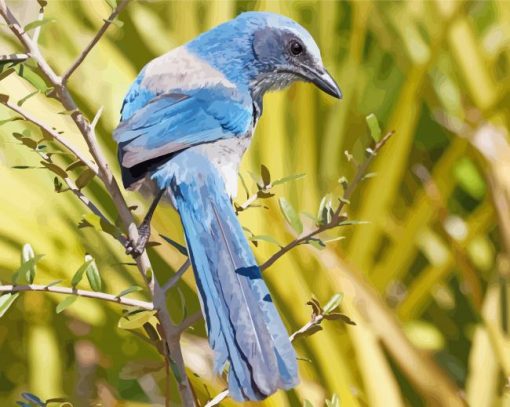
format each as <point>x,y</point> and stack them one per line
<point>94,40</point>
<point>175,278</point>
<point>168,331</point>
<point>337,217</point>
<point>56,135</point>
<point>81,293</point>
<point>14,58</point>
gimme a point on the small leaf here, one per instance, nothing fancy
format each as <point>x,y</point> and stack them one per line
<point>337,316</point>
<point>55,282</point>
<point>84,178</point>
<point>10,119</point>
<point>333,303</point>
<point>129,290</point>
<point>309,332</point>
<point>75,164</point>
<point>38,23</point>
<point>290,215</point>
<point>24,269</point>
<point>68,301</point>
<point>324,214</point>
<point>55,169</point>
<point>264,238</point>
<point>287,179</point>
<point>266,176</point>
<point>180,248</point>
<point>99,224</point>
<point>135,321</point>
<point>316,307</point>
<point>112,3</point>
<point>373,125</point>
<point>24,99</point>
<point>317,243</point>
<point>93,274</point>
<point>353,222</point>
<point>78,275</point>
<point>31,76</point>
<point>6,301</point>
<point>33,398</point>
<point>28,255</point>
<point>335,239</point>
<point>42,4</point>
<point>4,98</point>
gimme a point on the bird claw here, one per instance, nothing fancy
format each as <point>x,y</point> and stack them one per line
<point>135,249</point>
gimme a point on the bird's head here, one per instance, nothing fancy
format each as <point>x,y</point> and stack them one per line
<point>265,51</point>
<point>285,52</point>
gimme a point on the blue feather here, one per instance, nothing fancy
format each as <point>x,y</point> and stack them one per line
<point>243,324</point>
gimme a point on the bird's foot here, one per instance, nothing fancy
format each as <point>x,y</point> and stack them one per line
<point>135,249</point>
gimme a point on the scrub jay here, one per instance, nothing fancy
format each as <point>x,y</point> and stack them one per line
<point>185,123</point>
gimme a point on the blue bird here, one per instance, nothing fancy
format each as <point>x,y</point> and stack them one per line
<point>185,124</point>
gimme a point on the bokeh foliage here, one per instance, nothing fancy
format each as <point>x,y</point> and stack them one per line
<point>435,251</point>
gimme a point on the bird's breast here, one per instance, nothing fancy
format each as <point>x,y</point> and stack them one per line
<point>226,156</point>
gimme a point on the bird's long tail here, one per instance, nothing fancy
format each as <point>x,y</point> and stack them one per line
<point>243,324</point>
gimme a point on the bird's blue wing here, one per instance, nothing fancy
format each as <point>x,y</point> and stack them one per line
<point>175,121</point>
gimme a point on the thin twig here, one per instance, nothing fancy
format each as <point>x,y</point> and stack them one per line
<point>53,133</point>
<point>337,216</point>
<point>81,293</point>
<point>14,57</point>
<point>176,277</point>
<point>37,31</point>
<point>94,40</point>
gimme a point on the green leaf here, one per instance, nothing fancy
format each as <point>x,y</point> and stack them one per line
<point>84,178</point>
<point>265,238</point>
<point>24,99</point>
<point>112,3</point>
<point>291,216</point>
<point>373,125</point>
<point>324,213</point>
<point>33,399</point>
<point>6,301</point>
<point>38,23</point>
<point>68,301</point>
<point>55,282</point>
<point>307,403</point>
<point>116,22</point>
<point>353,222</point>
<point>287,179</point>
<point>129,290</point>
<point>334,402</point>
<point>266,176</point>
<point>55,169</point>
<point>333,303</point>
<point>4,98</point>
<point>77,277</point>
<point>25,268</point>
<point>135,321</point>
<point>317,243</point>
<point>28,256</point>
<point>31,76</point>
<point>93,274</point>
<point>10,119</point>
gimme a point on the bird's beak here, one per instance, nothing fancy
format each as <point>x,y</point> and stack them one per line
<point>325,82</point>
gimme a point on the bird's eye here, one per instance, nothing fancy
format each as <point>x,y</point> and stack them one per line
<point>295,48</point>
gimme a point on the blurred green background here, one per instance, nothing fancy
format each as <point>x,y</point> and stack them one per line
<point>426,280</point>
